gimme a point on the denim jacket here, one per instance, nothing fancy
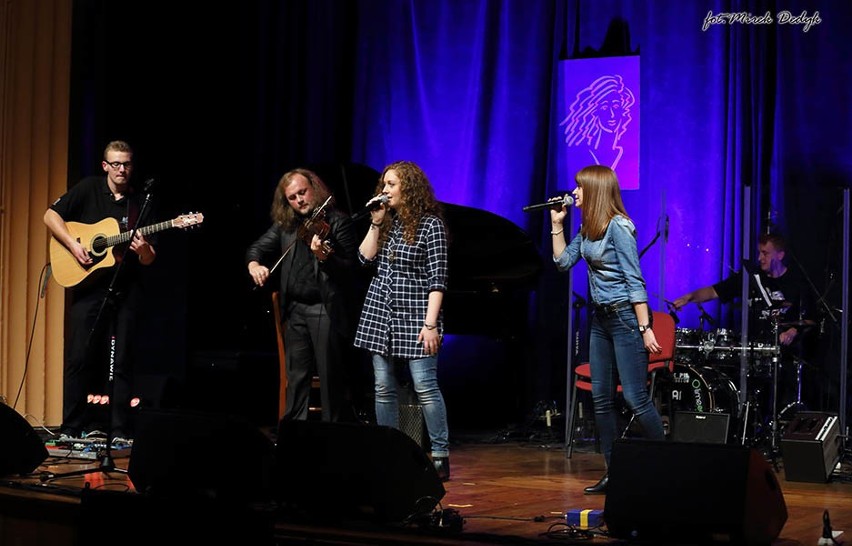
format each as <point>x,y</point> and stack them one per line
<point>613,262</point>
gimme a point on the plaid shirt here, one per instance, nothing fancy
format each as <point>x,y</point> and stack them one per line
<point>396,303</point>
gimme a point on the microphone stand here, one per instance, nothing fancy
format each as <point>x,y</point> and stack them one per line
<point>664,220</point>
<point>106,461</point>
<point>649,245</point>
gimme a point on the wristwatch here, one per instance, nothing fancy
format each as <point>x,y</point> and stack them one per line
<point>644,328</point>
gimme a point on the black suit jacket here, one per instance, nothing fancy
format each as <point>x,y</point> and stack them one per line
<point>336,276</point>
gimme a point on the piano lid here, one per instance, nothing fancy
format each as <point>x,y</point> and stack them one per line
<point>488,252</point>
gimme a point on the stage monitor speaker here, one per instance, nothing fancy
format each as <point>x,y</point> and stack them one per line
<point>180,453</point>
<point>810,447</point>
<point>701,427</point>
<point>22,451</point>
<point>333,470</point>
<point>673,492</point>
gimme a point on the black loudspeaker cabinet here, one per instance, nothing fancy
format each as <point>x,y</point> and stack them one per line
<point>344,470</point>
<point>412,423</point>
<point>701,427</point>
<point>674,492</point>
<point>810,447</point>
<point>411,419</point>
<point>180,453</point>
<point>22,450</point>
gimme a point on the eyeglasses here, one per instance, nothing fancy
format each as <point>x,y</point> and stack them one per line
<point>118,164</point>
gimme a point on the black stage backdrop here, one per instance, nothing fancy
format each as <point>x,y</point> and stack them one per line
<point>219,101</point>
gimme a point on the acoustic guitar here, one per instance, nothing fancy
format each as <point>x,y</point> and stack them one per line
<point>98,239</point>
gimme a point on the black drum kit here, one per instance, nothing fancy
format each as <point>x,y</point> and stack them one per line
<point>707,363</point>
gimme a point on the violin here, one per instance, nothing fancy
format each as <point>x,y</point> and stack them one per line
<point>317,225</point>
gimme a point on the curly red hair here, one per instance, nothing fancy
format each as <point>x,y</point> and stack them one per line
<point>418,199</point>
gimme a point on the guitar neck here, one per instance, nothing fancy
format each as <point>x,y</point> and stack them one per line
<point>146,230</point>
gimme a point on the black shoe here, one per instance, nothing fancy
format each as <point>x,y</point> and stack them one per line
<point>599,488</point>
<point>442,465</point>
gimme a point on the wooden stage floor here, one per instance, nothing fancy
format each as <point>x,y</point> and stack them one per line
<point>506,492</point>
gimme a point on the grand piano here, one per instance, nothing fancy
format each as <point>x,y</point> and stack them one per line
<point>493,266</point>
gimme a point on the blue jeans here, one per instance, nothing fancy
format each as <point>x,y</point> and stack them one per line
<point>424,375</point>
<point>616,347</point>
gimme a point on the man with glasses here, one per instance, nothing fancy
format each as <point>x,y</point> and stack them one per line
<point>95,311</point>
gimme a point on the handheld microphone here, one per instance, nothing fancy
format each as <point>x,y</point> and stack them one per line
<point>565,201</point>
<point>372,205</point>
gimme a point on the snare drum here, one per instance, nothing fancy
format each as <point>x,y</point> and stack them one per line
<point>702,389</point>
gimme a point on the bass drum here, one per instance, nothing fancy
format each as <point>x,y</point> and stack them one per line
<point>702,389</point>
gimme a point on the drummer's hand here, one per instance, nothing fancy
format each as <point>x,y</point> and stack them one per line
<point>787,336</point>
<point>650,341</point>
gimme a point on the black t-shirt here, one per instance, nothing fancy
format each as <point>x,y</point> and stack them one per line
<point>302,284</point>
<point>90,201</point>
<point>788,293</point>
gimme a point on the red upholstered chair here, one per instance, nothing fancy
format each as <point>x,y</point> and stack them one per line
<point>282,353</point>
<point>664,331</point>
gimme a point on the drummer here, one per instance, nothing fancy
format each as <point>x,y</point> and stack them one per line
<point>791,307</point>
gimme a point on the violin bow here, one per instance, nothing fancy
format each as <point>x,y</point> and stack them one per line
<point>284,255</point>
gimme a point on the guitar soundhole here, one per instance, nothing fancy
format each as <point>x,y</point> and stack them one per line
<point>99,246</point>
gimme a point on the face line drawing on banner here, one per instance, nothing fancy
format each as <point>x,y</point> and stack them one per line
<point>600,109</point>
<point>600,124</point>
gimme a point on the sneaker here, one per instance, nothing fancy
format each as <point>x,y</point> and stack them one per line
<point>95,435</point>
<point>120,441</point>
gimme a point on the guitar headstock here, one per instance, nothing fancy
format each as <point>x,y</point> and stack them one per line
<point>188,220</point>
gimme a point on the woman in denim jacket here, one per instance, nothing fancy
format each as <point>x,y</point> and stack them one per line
<point>621,333</point>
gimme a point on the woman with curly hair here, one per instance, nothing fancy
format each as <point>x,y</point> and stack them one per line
<point>401,321</point>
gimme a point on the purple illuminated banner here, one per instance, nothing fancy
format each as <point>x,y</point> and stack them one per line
<point>598,118</point>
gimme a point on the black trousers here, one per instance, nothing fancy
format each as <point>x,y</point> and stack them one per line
<point>87,358</point>
<point>312,345</point>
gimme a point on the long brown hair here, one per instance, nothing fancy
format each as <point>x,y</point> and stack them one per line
<point>418,199</point>
<point>601,200</point>
<point>282,213</point>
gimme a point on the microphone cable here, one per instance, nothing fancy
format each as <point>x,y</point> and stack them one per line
<point>42,284</point>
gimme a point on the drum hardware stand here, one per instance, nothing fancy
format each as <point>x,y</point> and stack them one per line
<point>774,449</point>
<point>752,416</point>
<point>704,317</point>
<point>798,404</point>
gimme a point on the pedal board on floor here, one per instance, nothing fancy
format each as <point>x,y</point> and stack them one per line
<point>83,448</point>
